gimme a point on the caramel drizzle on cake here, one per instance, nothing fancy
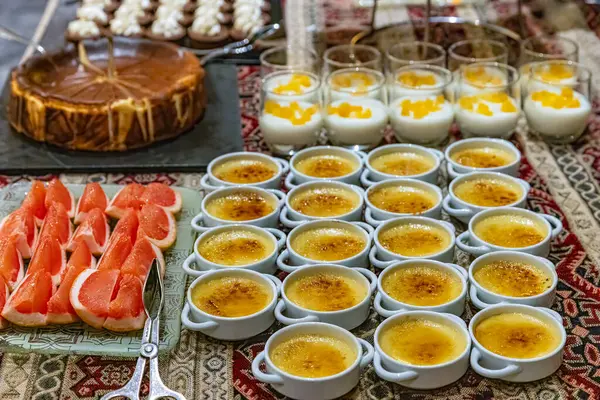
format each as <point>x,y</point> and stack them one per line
<point>107,104</point>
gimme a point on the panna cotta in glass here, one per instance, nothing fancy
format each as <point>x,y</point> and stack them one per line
<point>356,114</point>
<point>557,103</point>
<point>290,117</point>
<point>420,111</point>
<point>486,104</point>
<point>423,120</point>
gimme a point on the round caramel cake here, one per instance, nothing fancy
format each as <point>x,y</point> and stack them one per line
<point>108,95</point>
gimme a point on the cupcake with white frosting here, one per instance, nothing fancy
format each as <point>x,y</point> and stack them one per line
<point>167,29</point>
<point>81,29</point>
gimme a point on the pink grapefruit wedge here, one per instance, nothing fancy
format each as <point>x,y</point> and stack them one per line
<point>140,259</point>
<point>94,231</point>
<point>49,256</point>
<point>28,303</point>
<point>57,192</point>
<point>163,196</point>
<point>35,200</point>
<point>126,311</point>
<point>158,226</point>
<point>11,264</point>
<point>21,228</point>
<point>93,197</point>
<point>116,253</point>
<point>91,294</point>
<point>128,225</point>
<point>58,224</point>
<point>128,197</point>
<point>60,310</point>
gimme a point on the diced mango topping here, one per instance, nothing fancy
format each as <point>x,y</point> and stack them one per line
<point>421,108</point>
<point>477,103</point>
<point>412,79</point>
<point>358,82</point>
<point>295,85</point>
<point>292,112</point>
<point>565,99</point>
<point>347,110</point>
<point>481,77</point>
<point>555,73</point>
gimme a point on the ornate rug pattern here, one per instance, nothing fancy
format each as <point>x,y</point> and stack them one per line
<point>565,182</point>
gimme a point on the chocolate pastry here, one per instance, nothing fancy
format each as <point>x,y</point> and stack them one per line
<point>166,30</point>
<point>205,41</point>
<point>107,94</point>
<point>80,29</point>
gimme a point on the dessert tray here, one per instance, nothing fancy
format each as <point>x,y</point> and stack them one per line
<point>197,24</point>
<point>79,338</point>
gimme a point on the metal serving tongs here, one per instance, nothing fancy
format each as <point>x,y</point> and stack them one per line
<point>9,34</point>
<point>243,46</point>
<point>153,304</point>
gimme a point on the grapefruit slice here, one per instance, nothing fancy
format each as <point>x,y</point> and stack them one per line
<point>94,231</point>
<point>158,226</point>
<point>126,311</point>
<point>163,196</point>
<point>140,259</point>
<point>57,223</point>
<point>93,197</point>
<point>11,264</point>
<point>60,310</point>
<point>36,201</point>
<point>91,294</point>
<point>28,304</point>
<point>58,193</point>
<point>127,225</point>
<point>49,256</point>
<point>3,297</point>
<point>128,197</point>
<point>116,253</point>
<point>20,226</point>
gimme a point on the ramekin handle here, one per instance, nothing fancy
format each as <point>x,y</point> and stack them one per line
<point>368,352</point>
<point>196,221</point>
<point>286,221</point>
<point>454,212</point>
<point>462,242</point>
<point>460,270</point>
<point>370,219</point>
<point>282,265</point>
<point>280,195</point>
<point>195,326</point>
<point>552,313</point>
<point>364,179</point>
<point>280,308</point>
<point>264,377</point>
<point>509,370</point>
<point>555,223</point>
<point>452,173</point>
<point>289,181</point>
<point>456,319</point>
<point>370,230</point>
<point>276,281</point>
<point>475,299</point>
<point>525,184</point>
<point>285,165</point>
<point>206,186</point>
<point>382,311</point>
<point>395,377</point>
<point>279,235</point>
<point>187,266</point>
<point>438,154</point>
<point>375,261</point>
<point>371,277</point>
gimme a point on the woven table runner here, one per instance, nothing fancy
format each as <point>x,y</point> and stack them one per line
<point>565,183</point>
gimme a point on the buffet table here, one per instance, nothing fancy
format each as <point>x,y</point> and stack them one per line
<point>565,183</point>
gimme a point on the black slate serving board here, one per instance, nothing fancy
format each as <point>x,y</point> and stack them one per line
<point>218,133</point>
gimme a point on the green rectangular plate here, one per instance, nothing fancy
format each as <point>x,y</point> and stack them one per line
<point>79,338</point>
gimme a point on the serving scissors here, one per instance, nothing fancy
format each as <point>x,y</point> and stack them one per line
<point>153,297</point>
